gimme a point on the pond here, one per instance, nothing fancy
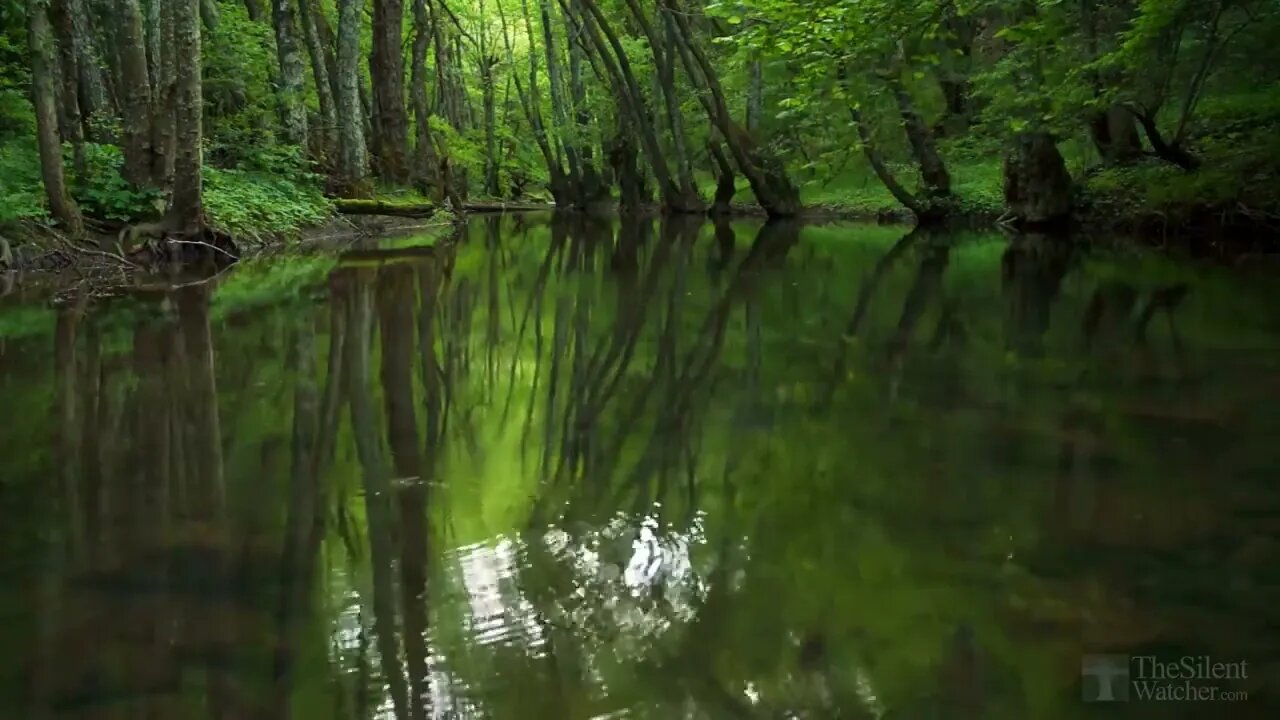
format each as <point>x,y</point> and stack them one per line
<point>569,468</point>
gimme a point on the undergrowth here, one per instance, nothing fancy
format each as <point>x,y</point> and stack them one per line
<point>240,202</point>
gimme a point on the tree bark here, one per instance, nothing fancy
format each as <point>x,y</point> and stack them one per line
<point>386,66</point>
<point>186,206</point>
<point>1115,135</point>
<point>559,110</point>
<point>209,14</point>
<point>591,185</point>
<point>45,100</point>
<point>72,127</point>
<point>559,182</point>
<point>164,98</point>
<point>1037,186</point>
<point>353,159</point>
<point>726,188</point>
<point>293,109</point>
<point>135,86</point>
<point>426,160</point>
<point>323,81</point>
<point>93,91</point>
<point>876,161</point>
<point>933,170</point>
<point>628,90</point>
<point>1169,152</point>
<point>675,118</point>
<point>487,89</point>
<point>768,178</point>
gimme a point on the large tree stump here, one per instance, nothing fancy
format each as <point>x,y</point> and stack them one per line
<point>1037,186</point>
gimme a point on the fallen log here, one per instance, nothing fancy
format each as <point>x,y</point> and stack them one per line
<point>380,207</point>
<point>504,207</point>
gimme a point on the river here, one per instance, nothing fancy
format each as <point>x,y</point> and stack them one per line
<point>565,468</point>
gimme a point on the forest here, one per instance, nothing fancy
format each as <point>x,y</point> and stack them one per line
<point>258,118</point>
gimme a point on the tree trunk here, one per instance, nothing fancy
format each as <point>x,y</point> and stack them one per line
<point>164,97</point>
<point>93,92</point>
<point>426,160</point>
<point>768,178</point>
<point>328,45</point>
<point>558,108</point>
<point>726,188</point>
<point>1115,134</point>
<point>353,159</point>
<point>622,157</point>
<point>45,100</point>
<point>560,182</point>
<point>667,80</point>
<point>619,67</point>
<point>293,108</point>
<point>591,185</point>
<point>327,142</point>
<point>487,65</point>
<point>186,207</point>
<point>136,88</point>
<point>1169,152</point>
<point>209,14</point>
<point>386,66</point>
<point>1037,186</point>
<point>755,96</point>
<point>958,37</point>
<point>71,121</point>
<point>876,161</point>
<point>152,10</point>
<point>253,8</point>
<point>937,181</point>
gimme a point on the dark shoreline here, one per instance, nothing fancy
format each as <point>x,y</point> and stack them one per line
<point>1206,234</point>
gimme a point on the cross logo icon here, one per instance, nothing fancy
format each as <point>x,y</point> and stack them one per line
<point>1105,678</point>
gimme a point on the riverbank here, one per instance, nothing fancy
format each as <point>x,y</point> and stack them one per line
<point>1229,206</point>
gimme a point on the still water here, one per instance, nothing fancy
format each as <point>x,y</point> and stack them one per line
<point>570,469</point>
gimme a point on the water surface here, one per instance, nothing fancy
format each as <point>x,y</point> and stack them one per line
<point>576,469</point>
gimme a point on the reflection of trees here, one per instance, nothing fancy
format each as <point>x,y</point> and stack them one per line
<point>1031,272</point>
<point>635,404</point>
<point>151,585</point>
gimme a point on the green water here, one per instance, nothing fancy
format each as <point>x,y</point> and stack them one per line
<point>569,469</point>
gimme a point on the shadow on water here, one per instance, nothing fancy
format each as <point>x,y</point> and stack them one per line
<point>565,467</point>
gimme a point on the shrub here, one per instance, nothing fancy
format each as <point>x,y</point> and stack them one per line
<point>21,193</point>
<point>249,203</point>
<point>103,193</point>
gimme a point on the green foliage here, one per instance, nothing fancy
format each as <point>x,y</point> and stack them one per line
<point>21,193</point>
<point>240,103</point>
<point>270,282</point>
<point>465,150</point>
<point>16,115</point>
<point>249,203</point>
<point>1237,142</point>
<point>103,193</point>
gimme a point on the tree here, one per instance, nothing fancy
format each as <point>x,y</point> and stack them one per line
<point>386,66</point>
<point>186,207</point>
<point>45,99</point>
<point>353,159</point>
<point>135,86</point>
<point>293,110</point>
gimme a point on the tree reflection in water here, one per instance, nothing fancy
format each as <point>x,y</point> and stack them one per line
<point>573,468</point>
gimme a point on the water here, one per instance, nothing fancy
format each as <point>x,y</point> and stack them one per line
<point>590,470</point>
